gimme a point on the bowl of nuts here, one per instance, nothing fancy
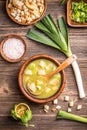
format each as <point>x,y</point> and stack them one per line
<point>25,12</point>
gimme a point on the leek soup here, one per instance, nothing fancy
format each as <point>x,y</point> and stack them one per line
<point>34,81</point>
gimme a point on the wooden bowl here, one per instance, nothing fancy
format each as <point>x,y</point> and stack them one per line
<point>19,108</point>
<point>28,95</point>
<point>34,21</point>
<point>4,55</point>
<point>69,12</point>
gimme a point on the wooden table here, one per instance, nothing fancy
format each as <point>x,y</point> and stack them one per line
<point>10,93</point>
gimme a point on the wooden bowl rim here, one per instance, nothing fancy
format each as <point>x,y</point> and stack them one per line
<point>69,11</point>
<point>23,104</point>
<point>36,20</point>
<point>1,48</point>
<point>20,81</point>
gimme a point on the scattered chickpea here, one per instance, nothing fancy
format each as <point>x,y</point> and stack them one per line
<point>55,101</point>
<point>53,109</point>
<point>71,104</point>
<point>58,107</point>
<point>79,107</point>
<point>46,108</point>
<point>69,110</point>
<point>66,98</point>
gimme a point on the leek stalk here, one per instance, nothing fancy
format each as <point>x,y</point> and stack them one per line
<point>48,33</point>
<point>63,1</point>
<point>65,115</point>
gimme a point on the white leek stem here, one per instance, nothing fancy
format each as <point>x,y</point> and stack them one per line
<point>78,79</point>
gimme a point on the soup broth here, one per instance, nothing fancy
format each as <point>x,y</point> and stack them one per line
<point>34,81</point>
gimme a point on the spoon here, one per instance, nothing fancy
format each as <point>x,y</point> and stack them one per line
<point>62,66</point>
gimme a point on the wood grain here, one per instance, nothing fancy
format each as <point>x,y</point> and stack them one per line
<point>10,93</point>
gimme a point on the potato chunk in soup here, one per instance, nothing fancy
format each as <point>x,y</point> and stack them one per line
<point>36,84</point>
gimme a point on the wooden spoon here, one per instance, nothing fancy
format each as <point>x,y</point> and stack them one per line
<point>62,66</point>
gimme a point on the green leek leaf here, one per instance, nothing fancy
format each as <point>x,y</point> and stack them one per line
<point>55,36</point>
<point>41,26</point>
<point>63,28</point>
<point>63,1</point>
<point>50,24</point>
<point>40,37</point>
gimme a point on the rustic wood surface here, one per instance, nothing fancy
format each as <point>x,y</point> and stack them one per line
<point>10,93</point>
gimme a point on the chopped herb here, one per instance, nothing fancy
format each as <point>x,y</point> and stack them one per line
<point>79,11</point>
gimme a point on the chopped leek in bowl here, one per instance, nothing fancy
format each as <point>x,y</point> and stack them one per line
<point>77,13</point>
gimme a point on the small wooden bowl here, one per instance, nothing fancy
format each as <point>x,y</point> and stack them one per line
<point>69,12</point>
<point>20,23</point>
<point>18,108</point>
<point>28,95</point>
<point>2,52</point>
